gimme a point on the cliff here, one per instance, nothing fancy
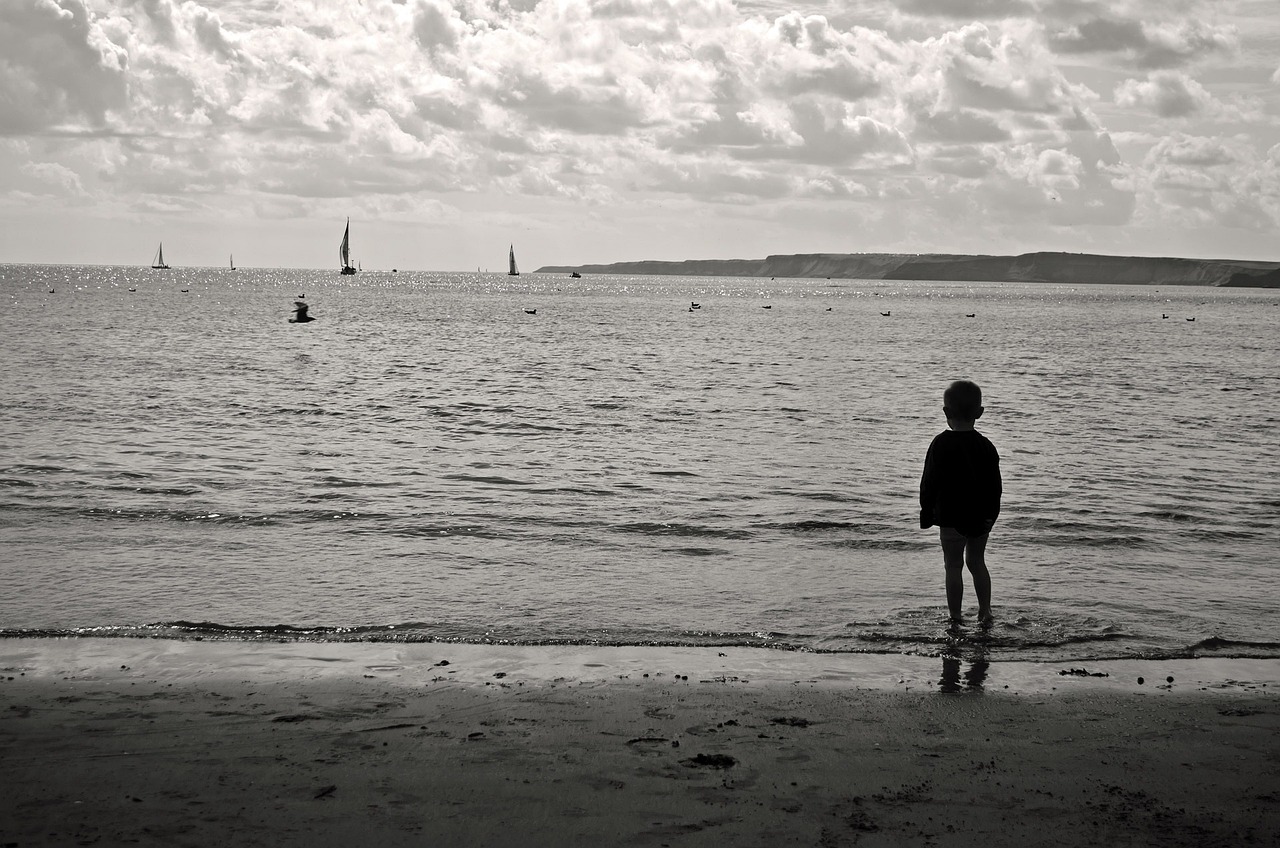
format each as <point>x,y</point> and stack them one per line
<point>1068,268</point>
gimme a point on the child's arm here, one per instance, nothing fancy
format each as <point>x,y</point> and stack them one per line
<point>994,489</point>
<point>928,489</point>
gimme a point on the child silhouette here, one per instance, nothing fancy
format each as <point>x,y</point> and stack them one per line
<point>960,493</point>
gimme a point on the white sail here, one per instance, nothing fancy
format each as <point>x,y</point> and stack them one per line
<point>344,250</point>
<point>512,271</point>
<point>158,262</point>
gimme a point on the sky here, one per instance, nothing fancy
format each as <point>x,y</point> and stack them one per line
<point>595,131</point>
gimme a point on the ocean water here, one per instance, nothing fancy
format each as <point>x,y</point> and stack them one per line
<point>429,461</point>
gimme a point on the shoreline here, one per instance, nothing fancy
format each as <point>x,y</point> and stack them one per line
<point>413,663</point>
<point>161,742</point>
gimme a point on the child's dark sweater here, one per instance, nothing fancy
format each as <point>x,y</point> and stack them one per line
<point>961,485</point>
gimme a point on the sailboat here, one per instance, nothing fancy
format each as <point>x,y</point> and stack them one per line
<point>233,262</point>
<point>344,251</point>
<point>512,271</point>
<point>158,262</point>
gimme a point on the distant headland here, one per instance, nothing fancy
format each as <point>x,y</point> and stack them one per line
<point>1069,268</point>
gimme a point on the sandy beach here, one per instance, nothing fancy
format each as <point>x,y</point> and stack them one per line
<point>158,742</point>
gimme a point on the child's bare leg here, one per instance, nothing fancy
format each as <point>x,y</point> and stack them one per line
<point>975,558</point>
<point>953,545</point>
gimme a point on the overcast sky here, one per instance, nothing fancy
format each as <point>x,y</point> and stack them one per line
<point>608,130</point>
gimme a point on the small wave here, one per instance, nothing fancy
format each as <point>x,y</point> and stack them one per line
<point>263,629</point>
<point>1233,647</point>
<point>649,528</point>
<point>812,525</point>
<point>698,552</point>
<point>27,468</point>
<point>119,514</point>
<point>341,482</point>
<point>491,480</point>
<point>439,531</point>
<point>314,410</point>
<point>883,545</point>
<point>525,425</point>
<point>673,474</point>
<point>1169,515</point>
<point>182,491</point>
<point>1091,541</point>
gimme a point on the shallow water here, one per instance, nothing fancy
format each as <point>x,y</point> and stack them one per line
<point>427,460</point>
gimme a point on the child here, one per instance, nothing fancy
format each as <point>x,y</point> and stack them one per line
<point>960,492</point>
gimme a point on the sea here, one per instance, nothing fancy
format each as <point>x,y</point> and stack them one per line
<point>631,460</point>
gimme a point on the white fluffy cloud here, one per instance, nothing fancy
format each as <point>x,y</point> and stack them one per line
<point>56,67</point>
<point>1166,93</point>
<point>185,103</point>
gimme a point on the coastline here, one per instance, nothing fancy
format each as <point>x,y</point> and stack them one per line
<point>1037,267</point>
<point>162,742</point>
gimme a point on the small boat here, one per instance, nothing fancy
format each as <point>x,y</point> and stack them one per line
<point>233,262</point>
<point>158,262</point>
<point>512,270</point>
<point>344,250</point>
<point>576,275</point>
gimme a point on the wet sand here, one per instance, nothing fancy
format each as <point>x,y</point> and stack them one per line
<point>156,742</point>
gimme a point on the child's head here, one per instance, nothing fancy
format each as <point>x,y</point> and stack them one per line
<point>962,401</point>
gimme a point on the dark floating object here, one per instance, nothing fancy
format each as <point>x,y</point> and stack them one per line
<point>300,313</point>
<point>531,312</point>
<point>970,314</point>
<point>1162,315</point>
<point>184,291</point>
<point>770,306</point>
<point>1191,319</point>
<point>693,304</point>
<point>887,314</point>
<point>1082,672</point>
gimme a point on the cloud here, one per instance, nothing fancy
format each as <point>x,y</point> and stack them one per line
<point>65,180</point>
<point>1168,94</point>
<point>56,66</point>
<point>1214,181</point>
<point>283,106</point>
<point>1147,44</point>
<point>969,10</point>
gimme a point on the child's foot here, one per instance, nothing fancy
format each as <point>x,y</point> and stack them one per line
<point>985,618</point>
